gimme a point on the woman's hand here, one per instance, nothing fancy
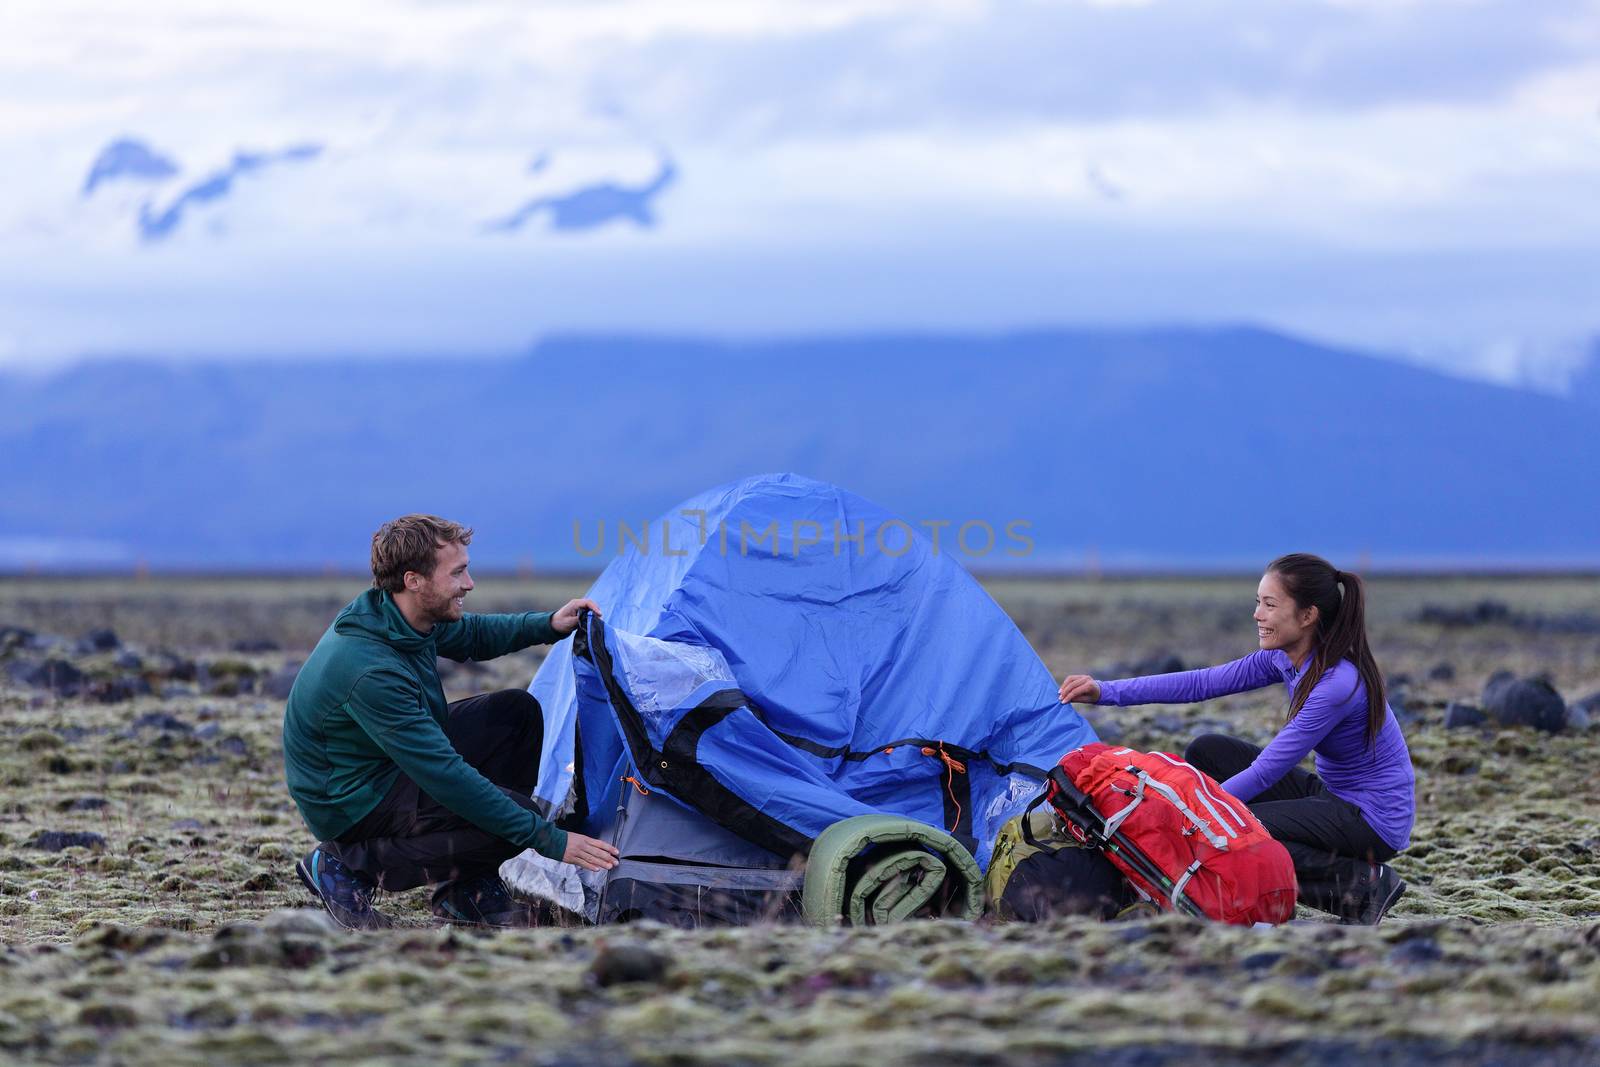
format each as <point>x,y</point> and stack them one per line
<point>1080,689</point>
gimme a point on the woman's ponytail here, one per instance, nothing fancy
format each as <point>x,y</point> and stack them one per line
<point>1341,602</point>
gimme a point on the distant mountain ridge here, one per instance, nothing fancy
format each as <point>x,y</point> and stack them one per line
<point>1170,447</point>
<point>1585,384</point>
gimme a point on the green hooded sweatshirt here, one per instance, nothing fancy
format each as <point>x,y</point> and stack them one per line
<point>368,704</point>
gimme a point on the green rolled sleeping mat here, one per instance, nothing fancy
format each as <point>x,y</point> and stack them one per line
<point>875,869</point>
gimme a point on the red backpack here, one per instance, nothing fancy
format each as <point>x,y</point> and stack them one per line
<point>1174,833</point>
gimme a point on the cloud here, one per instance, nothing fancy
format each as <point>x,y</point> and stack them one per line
<point>855,163</point>
<point>1027,62</point>
<point>159,225</point>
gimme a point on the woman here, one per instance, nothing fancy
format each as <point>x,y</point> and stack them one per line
<point>1356,812</point>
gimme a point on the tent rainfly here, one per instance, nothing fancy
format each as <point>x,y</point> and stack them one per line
<point>778,656</point>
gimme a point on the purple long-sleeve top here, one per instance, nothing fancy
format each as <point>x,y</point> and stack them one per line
<point>1333,724</point>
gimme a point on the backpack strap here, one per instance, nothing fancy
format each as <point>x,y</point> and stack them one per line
<point>1075,808</point>
<point>1115,822</point>
<point>1177,890</point>
<point>1027,830</point>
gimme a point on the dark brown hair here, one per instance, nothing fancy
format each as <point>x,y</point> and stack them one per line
<point>411,543</point>
<point>1341,603</point>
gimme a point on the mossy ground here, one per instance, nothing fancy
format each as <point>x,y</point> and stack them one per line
<point>168,945</point>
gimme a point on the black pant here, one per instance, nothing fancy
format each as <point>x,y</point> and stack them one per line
<point>410,839</point>
<point>1335,851</point>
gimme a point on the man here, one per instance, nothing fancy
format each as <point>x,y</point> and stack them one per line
<point>400,788</point>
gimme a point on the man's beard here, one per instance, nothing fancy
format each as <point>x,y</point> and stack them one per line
<point>440,610</point>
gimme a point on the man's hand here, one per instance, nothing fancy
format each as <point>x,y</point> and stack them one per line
<point>566,620</point>
<point>1081,689</point>
<point>587,852</point>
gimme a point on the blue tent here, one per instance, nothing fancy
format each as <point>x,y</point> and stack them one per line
<point>777,655</point>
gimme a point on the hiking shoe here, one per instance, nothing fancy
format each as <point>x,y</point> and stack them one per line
<point>1383,892</point>
<point>346,894</point>
<point>483,900</point>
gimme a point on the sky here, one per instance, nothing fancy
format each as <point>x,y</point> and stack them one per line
<point>252,178</point>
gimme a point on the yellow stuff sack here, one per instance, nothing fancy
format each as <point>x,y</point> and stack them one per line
<point>1058,876</point>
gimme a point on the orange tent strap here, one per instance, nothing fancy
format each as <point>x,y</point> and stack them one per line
<point>953,767</point>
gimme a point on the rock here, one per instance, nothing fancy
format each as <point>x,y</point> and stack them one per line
<point>1260,961</point>
<point>1497,683</point>
<point>1107,728</point>
<point>56,840</point>
<point>225,685</point>
<point>277,684</point>
<point>129,660</point>
<point>1562,624</point>
<point>161,720</point>
<point>56,675</point>
<point>208,731</point>
<point>14,637</point>
<point>1482,613</point>
<point>247,944</point>
<point>303,922</point>
<point>176,668</point>
<point>112,939</point>
<point>1526,702</point>
<point>1459,716</point>
<point>1418,952</point>
<point>47,643</point>
<point>616,964</point>
<point>1578,718</point>
<point>1442,672</point>
<point>211,1014</point>
<point>108,1015</point>
<point>118,690</point>
<point>255,644</point>
<point>234,745</point>
<point>83,804</point>
<point>1158,663</point>
<point>1167,723</point>
<point>101,640</point>
<point>239,946</point>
